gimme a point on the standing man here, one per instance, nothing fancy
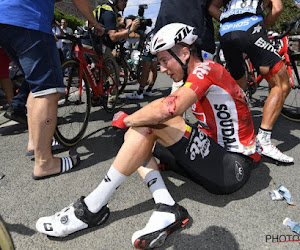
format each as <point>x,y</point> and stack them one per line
<point>220,161</point>
<point>243,30</point>
<point>26,35</point>
<point>66,44</point>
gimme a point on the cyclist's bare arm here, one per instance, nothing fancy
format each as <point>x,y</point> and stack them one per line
<point>163,109</point>
<point>85,8</point>
<point>275,9</point>
<point>117,35</point>
<point>214,9</point>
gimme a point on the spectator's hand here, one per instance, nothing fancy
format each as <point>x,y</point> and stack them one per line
<point>118,120</point>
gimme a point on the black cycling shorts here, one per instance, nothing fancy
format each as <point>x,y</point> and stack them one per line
<point>255,43</point>
<point>202,160</point>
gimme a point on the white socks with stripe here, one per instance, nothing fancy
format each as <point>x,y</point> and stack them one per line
<point>158,188</point>
<point>100,196</point>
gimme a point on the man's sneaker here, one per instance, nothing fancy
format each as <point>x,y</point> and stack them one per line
<point>71,219</point>
<point>15,115</point>
<point>135,95</point>
<point>147,93</point>
<point>273,152</point>
<point>164,220</point>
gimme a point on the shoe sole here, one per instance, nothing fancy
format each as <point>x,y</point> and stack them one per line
<point>158,238</point>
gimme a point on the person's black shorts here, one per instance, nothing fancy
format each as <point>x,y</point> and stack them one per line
<point>255,43</point>
<point>202,160</point>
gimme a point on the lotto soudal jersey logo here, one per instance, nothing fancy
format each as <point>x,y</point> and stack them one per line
<point>226,125</point>
<point>182,33</point>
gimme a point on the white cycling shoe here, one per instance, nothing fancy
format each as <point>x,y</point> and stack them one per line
<point>135,96</point>
<point>71,219</point>
<point>273,152</point>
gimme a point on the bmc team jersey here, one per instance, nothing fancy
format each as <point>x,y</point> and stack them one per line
<point>221,109</point>
<point>36,14</point>
<point>236,9</point>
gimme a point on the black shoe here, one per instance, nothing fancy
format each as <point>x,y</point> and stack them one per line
<point>148,239</point>
<point>71,219</point>
<point>15,115</point>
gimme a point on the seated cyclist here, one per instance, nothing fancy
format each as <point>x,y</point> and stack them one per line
<point>243,30</point>
<point>216,152</point>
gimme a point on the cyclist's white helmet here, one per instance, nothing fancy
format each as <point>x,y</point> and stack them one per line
<point>172,34</point>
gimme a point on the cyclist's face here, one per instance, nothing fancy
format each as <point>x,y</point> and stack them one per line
<point>169,65</point>
<point>122,4</point>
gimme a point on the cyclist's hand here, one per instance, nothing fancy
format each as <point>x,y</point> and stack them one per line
<point>118,120</point>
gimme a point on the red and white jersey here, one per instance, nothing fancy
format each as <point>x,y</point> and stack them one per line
<point>221,108</point>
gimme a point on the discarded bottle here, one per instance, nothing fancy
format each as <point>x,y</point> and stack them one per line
<point>286,194</point>
<point>294,226</point>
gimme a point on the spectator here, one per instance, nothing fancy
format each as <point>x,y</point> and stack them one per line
<point>25,34</point>
<point>66,44</point>
<point>107,15</point>
<point>244,30</point>
<point>205,161</point>
<point>5,81</point>
<point>57,31</point>
<point>149,64</point>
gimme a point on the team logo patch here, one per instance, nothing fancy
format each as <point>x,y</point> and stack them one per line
<point>239,171</point>
<point>200,144</point>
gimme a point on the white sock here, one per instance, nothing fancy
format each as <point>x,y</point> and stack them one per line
<point>264,136</point>
<point>100,196</point>
<point>158,188</point>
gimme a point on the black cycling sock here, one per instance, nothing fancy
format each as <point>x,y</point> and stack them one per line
<point>150,86</point>
<point>140,90</point>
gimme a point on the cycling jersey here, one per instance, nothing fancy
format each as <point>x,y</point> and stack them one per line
<point>235,9</point>
<point>221,109</point>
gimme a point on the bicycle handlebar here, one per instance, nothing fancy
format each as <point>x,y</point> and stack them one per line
<point>287,27</point>
<point>96,40</point>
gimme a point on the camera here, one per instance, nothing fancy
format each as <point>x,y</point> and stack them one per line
<point>144,23</point>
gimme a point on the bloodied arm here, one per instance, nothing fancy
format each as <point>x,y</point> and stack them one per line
<point>163,109</point>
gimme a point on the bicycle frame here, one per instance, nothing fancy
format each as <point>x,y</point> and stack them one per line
<point>97,87</point>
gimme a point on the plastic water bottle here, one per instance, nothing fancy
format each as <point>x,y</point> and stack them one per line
<point>294,226</point>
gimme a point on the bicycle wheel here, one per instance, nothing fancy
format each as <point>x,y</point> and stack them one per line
<point>123,78</point>
<point>5,239</point>
<point>291,106</point>
<point>110,77</point>
<point>74,106</point>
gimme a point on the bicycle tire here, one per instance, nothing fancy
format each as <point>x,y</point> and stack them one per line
<point>6,242</point>
<point>123,78</point>
<point>110,99</point>
<point>73,110</point>
<point>291,106</point>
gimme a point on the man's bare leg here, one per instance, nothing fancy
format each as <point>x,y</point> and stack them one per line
<point>42,118</point>
<point>280,88</point>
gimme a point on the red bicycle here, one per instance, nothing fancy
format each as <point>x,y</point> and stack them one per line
<point>291,107</point>
<point>91,77</point>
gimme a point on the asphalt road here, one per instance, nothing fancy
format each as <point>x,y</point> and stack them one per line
<point>246,219</point>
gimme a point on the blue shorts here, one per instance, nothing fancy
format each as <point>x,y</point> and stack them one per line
<point>37,55</point>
